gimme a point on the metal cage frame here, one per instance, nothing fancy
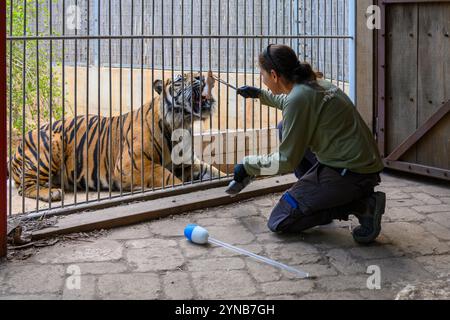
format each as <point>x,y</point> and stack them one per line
<point>306,39</point>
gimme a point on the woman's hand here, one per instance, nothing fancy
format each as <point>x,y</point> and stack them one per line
<point>241,179</point>
<point>239,173</point>
<point>249,92</point>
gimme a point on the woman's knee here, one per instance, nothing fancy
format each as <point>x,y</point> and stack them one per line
<point>285,214</point>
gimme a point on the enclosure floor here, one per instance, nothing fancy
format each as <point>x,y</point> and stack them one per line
<point>153,260</point>
<point>69,199</point>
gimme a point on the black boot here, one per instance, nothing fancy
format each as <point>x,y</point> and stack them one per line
<point>369,212</point>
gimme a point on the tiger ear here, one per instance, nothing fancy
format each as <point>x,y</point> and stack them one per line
<point>158,86</point>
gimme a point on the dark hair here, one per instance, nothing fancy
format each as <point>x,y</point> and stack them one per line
<point>283,60</point>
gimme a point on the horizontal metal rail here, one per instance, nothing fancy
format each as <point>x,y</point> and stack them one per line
<point>150,36</point>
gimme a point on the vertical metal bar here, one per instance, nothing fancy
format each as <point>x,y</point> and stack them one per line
<point>268,21</point>
<point>283,11</point>
<point>201,79</point>
<point>99,55</point>
<point>245,70</point>
<point>86,133</point>
<point>75,178</point>
<point>317,33</point>
<point>298,16</point>
<point>192,100</point>
<point>110,129</point>
<point>343,44</point>
<point>210,69</point>
<point>352,50</point>
<point>3,52</point>
<point>51,108</point>
<point>173,83</point>
<point>304,27</point>
<point>325,30</point>
<point>219,18</point>
<point>24,100</point>
<point>332,42</point>
<point>337,44</point>
<point>142,97</point>
<point>276,21</point>
<point>253,72</point>
<point>268,42</point>
<point>291,21</point>
<point>153,96</point>
<point>120,99</point>
<point>236,66</point>
<point>260,50</point>
<point>228,80</point>
<point>310,22</point>
<point>131,97</point>
<point>182,85</point>
<point>38,108</point>
<point>3,126</point>
<point>237,63</point>
<point>163,92</point>
<point>63,83</point>
<point>277,41</point>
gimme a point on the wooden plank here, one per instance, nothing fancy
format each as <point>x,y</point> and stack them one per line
<point>418,169</point>
<point>364,63</point>
<point>401,75</point>
<point>145,211</point>
<point>434,82</point>
<point>419,133</point>
<point>380,92</point>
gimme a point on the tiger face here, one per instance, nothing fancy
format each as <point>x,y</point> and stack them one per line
<point>184,99</point>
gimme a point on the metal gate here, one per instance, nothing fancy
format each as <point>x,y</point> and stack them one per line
<point>98,59</point>
<point>413,71</point>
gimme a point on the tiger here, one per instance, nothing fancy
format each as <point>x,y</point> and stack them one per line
<point>116,146</point>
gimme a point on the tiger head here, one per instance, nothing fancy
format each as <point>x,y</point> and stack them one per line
<point>185,95</point>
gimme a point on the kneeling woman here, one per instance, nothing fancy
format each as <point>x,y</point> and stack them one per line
<point>325,142</point>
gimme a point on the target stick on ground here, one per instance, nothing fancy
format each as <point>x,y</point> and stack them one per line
<point>200,235</point>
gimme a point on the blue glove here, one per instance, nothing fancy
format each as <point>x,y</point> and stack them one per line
<point>249,92</point>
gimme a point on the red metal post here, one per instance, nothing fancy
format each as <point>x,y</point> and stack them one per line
<point>3,133</point>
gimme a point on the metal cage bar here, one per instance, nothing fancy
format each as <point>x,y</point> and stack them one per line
<point>3,130</point>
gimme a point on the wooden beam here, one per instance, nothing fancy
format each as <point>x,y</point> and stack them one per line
<point>419,133</point>
<point>117,201</point>
<point>364,64</point>
<point>158,208</point>
<point>418,169</point>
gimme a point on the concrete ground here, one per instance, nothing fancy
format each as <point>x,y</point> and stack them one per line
<point>154,261</point>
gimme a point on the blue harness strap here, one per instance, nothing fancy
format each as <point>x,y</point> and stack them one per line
<point>291,200</point>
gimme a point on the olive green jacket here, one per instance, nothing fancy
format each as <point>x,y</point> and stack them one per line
<point>324,120</point>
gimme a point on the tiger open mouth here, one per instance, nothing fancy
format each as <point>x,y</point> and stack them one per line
<point>201,105</point>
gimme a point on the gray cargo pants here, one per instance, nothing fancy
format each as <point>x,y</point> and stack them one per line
<point>321,195</point>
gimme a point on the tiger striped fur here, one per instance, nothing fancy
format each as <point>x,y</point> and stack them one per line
<point>113,146</point>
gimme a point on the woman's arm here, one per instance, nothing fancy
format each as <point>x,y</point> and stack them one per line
<point>297,133</point>
<point>269,99</point>
<point>266,97</point>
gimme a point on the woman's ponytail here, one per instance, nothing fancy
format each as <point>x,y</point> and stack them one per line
<point>303,72</point>
<point>283,60</point>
